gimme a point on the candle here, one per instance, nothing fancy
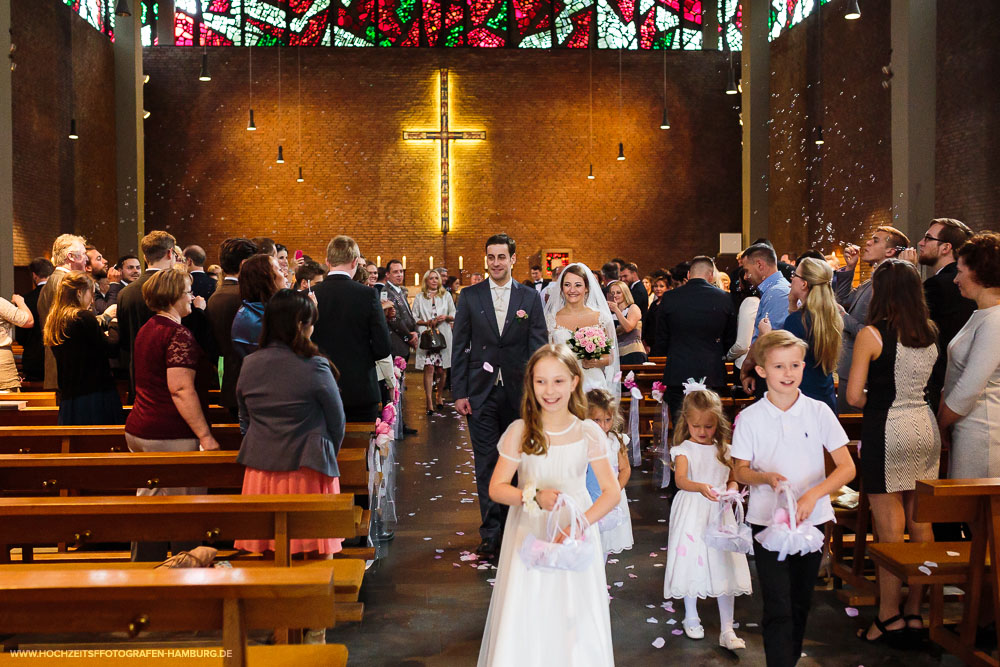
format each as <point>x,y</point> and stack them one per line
<point>404,262</point>
<point>378,260</point>
<point>460,267</point>
<point>416,280</point>
<point>430,262</point>
<point>486,265</point>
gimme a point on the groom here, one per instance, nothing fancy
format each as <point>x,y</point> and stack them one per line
<point>499,325</point>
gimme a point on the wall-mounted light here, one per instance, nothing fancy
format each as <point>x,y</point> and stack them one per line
<point>145,78</point>
<point>145,114</point>
<point>621,151</point>
<point>590,176</point>
<point>300,179</point>
<point>281,155</point>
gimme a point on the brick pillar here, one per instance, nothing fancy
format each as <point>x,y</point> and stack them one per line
<point>130,169</point>
<point>755,62</point>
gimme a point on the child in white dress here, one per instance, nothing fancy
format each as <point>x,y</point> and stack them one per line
<point>543,617</point>
<point>700,455</point>
<point>603,410</point>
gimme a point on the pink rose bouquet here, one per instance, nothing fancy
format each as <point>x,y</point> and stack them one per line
<point>589,343</point>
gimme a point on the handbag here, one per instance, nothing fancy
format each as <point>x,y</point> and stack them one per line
<point>728,531</point>
<point>575,553</point>
<point>432,340</point>
<point>197,557</point>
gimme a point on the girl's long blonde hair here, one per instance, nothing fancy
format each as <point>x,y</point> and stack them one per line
<point>821,319</point>
<point>705,400</point>
<point>601,399</point>
<point>534,440</point>
<point>66,305</point>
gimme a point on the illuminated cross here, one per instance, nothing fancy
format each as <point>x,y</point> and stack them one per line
<point>444,135</point>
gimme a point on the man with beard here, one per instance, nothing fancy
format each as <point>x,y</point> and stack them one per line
<point>97,267</point>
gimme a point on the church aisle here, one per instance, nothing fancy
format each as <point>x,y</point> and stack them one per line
<point>424,605</point>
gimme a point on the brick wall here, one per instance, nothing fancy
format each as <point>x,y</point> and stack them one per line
<point>823,196</point>
<point>208,178</point>
<point>65,68</point>
<point>967,175</point>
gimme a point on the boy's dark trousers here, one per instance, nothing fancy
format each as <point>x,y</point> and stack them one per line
<point>787,588</point>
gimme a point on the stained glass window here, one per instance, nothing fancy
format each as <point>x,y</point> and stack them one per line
<point>626,24</point>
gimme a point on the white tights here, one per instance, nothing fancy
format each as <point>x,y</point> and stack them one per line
<point>726,605</point>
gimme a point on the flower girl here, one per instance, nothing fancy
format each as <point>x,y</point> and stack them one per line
<point>603,410</point>
<point>541,616</point>
<point>700,455</point>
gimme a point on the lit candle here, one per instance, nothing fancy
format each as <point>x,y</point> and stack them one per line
<point>486,265</point>
<point>378,260</point>
<point>460,267</point>
<point>404,262</point>
<point>416,280</point>
<point>430,262</point>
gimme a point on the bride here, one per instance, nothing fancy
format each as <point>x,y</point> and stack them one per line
<point>576,301</point>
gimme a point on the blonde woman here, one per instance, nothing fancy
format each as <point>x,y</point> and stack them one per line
<point>813,316</point>
<point>434,308</point>
<point>628,324</point>
<point>87,392</point>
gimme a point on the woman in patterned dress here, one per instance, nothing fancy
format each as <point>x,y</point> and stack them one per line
<point>900,442</point>
<point>434,307</point>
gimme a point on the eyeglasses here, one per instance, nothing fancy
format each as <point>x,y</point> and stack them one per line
<point>928,237</point>
<point>795,275</point>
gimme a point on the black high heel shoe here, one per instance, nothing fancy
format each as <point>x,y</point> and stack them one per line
<point>430,413</point>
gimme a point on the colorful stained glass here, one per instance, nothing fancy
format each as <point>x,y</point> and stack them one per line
<point>627,24</point>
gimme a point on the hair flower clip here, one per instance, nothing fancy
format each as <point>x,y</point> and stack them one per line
<point>691,385</point>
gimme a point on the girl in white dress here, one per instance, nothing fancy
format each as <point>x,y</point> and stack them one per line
<point>546,617</point>
<point>700,454</point>
<point>603,410</point>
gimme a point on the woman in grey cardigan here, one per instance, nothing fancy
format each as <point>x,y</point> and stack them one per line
<point>291,414</point>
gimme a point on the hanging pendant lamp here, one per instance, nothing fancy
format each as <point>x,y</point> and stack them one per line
<point>121,9</point>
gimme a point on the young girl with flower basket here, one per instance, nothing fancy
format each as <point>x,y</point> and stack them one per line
<point>551,610</point>
<point>703,472</point>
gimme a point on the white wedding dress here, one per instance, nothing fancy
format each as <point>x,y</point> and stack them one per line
<point>544,617</point>
<point>593,378</point>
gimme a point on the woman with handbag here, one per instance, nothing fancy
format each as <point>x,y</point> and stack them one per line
<point>434,311</point>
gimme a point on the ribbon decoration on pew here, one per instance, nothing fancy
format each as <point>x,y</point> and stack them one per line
<point>661,468</point>
<point>633,416</point>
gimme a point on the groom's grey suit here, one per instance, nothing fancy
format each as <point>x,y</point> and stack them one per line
<point>487,367</point>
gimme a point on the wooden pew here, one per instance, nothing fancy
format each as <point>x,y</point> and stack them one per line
<point>80,439</point>
<point>52,473</point>
<point>76,520</point>
<point>38,398</point>
<point>977,502</point>
<point>233,601</point>
<point>34,415</point>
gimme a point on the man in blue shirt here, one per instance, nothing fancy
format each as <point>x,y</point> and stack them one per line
<point>761,264</point>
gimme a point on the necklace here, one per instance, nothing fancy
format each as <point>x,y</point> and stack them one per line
<point>565,430</point>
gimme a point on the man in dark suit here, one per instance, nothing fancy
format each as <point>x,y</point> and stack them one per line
<point>129,269</point>
<point>695,327</point>
<point>351,330</point>
<point>33,357</point>
<point>202,284</point>
<point>158,249</point>
<point>402,327</point>
<point>537,281</point>
<point>491,346</point>
<point>221,310</point>
<point>630,276</point>
<point>938,249</point>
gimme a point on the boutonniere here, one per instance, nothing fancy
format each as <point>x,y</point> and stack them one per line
<point>521,315</point>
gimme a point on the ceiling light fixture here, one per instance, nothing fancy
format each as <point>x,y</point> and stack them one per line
<point>121,9</point>
<point>72,129</point>
<point>853,12</point>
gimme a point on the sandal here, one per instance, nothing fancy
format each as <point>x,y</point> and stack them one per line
<point>886,634</point>
<point>908,618</point>
<point>729,640</point>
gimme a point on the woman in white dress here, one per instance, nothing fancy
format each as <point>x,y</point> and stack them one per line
<point>543,617</point>
<point>971,404</point>
<point>575,301</point>
<point>434,307</point>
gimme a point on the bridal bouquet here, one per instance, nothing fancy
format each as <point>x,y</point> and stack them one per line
<point>589,343</point>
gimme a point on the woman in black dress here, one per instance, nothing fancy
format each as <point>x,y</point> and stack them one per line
<point>900,442</point>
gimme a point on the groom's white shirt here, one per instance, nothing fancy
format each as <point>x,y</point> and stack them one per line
<point>501,301</point>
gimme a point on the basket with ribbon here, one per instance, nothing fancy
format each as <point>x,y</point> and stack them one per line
<point>575,552</point>
<point>786,535</point>
<point>728,530</point>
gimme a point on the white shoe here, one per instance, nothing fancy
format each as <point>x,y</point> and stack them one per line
<point>694,630</point>
<point>317,636</point>
<point>729,640</point>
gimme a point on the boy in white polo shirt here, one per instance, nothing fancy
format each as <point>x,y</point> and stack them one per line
<point>782,438</point>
